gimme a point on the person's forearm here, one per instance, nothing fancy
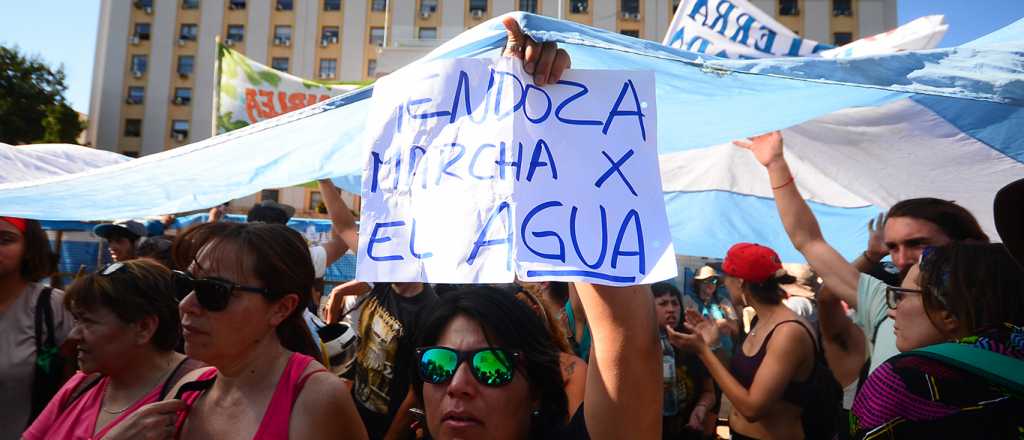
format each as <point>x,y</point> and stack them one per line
<point>342,220</point>
<point>796,216</point>
<point>866,263</point>
<point>399,428</point>
<point>623,393</point>
<point>842,340</point>
<point>738,395</point>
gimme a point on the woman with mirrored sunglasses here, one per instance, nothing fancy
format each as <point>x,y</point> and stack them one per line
<point>966,293</point>
<point>126,329</point>
<point>486,368</point>
<point>245,286</point>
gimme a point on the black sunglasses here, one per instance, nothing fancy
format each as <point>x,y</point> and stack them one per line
<point>213,294</point>
<point>490,366</point>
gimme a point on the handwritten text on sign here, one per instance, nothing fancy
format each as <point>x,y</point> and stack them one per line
<point>476,175</point>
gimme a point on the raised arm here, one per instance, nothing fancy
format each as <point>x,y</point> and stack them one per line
<point>623,392</point>
<point>843,341</point>
<point>799,221</point>
<point>344,233</point>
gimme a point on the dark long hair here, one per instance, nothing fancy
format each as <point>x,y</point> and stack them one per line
<point>277,255</point>
<point>39,261</point>
<point>509,324</point>
<point>955,221</point>
<point>980,284</point>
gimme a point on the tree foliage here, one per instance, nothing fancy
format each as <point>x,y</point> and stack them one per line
<point>32,104</point>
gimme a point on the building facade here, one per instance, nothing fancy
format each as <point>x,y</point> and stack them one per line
<point>153,78</point>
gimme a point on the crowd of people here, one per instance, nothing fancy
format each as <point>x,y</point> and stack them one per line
<point>219,332</point>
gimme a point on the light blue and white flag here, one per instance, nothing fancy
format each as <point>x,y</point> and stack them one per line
<point>867,132</point>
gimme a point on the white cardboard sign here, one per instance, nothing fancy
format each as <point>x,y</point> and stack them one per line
<point>473,174</point>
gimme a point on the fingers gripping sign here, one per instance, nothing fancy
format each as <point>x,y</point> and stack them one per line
<point>545,61</point>
<point>155,421</point>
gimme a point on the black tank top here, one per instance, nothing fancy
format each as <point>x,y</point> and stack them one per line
<point>744,368</point>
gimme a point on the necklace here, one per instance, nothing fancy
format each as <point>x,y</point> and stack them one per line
<point>753,331</point>
<point>119,411</point>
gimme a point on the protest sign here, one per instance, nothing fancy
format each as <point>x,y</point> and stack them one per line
<point>734,29</point>
<point>473,174</point>
<point>250,92</point>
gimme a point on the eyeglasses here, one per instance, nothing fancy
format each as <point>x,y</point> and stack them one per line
<point>213,294</point>
<point>713,281</point>
<point>490,366</point>
<point>893,295</point>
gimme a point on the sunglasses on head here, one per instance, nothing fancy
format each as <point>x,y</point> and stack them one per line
<point>490,366</point>
<point>212,293</point>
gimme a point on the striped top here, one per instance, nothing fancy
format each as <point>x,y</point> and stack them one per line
<point>915,397</point>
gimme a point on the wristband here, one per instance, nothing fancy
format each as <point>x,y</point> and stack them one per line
<point>776,188</point>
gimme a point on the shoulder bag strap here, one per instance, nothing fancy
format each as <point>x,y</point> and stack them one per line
<point>997,368</point>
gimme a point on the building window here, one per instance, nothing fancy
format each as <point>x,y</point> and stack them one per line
<point>371,68</point>
<point>236,4</point>
<point>131,154</point>
<point>138,65</point>
<point>427,33</point>
<point>282,35</point>
<point>332,5</point>
<point>328,68</point>
<point>136,95</point>
<point>189,4</point>
<point>189,32</point>
<point>478,7</point>
<point>142,31</point>
<point>145,5</point>
<point>315,201</point>
<point>427,7</point>
<point>841,38</point>
<point>842,8</point>
<point>631,7</point>
<point>182,95</point>
<point>789,7</point>
<point>329,35</point>
<point>285,5</point>
<point>269,194</point>
<point>528,6</point>
<point>279,64</point>
<point>377,36</point>
<point>179,129</point>
<point>132,128</point>
<point>186,64</point>
<point>580,6</point>
<point>630,33</point>
<point>378,5</point>
<point>236,33</point>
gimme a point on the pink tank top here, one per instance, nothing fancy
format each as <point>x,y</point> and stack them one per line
<point>277,418</point>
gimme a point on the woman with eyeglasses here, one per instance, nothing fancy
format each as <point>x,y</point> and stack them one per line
<point>776,381</point>
<point>486,368</point>
<point>967,293</point>
<point>244,291</point>
<point>126,328</point>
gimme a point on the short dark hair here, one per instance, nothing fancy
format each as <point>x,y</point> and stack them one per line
<point>276,254</point>
<point>38,261</point>
<point>267,214</point>
<point>979,282</point>
<point>662,288</point>
<point>509,324</point>
<point>770,291</point>
<point>139,289</point>
<point>954,220</point>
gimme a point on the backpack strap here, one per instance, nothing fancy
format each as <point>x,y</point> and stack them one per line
<point>996,368</point>
<point>184,367</point>
<point>44,319</point>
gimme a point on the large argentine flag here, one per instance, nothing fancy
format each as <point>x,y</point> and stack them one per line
<point>866,132</point>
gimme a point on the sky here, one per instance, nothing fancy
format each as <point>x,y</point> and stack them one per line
<point>63,32</point>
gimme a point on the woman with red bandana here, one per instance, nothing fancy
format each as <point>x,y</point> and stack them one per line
<point>25,259</point>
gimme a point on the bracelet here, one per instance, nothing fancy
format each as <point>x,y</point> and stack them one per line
<point>776,188</point>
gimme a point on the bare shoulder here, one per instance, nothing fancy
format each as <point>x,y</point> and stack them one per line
<point>324,408</point>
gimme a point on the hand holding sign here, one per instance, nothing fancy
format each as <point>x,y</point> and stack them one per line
<point>545,61</point>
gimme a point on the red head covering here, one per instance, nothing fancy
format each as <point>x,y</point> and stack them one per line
<point>19,223</point>
<point>751,262</point>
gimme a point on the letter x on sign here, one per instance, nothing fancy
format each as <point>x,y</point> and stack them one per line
<point>616,168</point>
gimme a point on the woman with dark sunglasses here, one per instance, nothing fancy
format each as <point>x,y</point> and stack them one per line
<point>126,328</point>
<point>967,293</point>
<point>487,369</point>
<point>244,291</point>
